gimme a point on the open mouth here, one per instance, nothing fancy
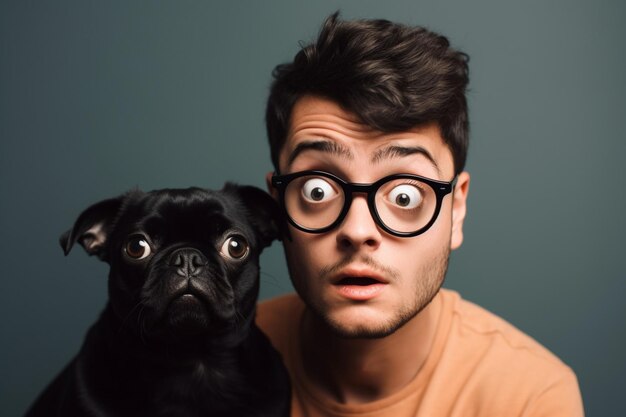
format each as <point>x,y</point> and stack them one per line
<point>359,288</point>
<point>360,281</point>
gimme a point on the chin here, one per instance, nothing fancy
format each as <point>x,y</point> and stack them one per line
<point>361,322</point>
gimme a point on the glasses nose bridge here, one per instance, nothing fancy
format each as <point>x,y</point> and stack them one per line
<point>359,188</point>
<point>352,188</point>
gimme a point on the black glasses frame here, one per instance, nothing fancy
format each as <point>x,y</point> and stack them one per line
<point>441,189</point>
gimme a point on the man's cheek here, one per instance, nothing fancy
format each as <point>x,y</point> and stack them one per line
<point>299,264</point>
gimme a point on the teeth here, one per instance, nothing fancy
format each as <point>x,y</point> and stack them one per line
<point>364,281</point>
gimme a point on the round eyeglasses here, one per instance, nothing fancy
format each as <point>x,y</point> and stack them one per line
<point>403,205</point>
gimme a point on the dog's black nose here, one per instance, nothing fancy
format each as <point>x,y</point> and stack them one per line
<point>189,261</point>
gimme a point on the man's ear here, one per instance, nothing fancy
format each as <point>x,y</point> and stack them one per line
<point>263,211</point>
<point>459,209</point>
<point>92,228</point>
<point>270,188</point>
<point>284,227</point>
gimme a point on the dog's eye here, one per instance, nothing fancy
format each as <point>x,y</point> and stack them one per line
<point>137,247</point>
<point>235,247</point>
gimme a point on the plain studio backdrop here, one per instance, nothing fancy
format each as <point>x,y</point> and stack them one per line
<point>100,97</point>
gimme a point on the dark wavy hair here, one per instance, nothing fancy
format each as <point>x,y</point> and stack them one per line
<point>393,77</point>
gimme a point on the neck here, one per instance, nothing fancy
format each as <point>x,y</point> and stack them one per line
<point>128,341</point>
<point>354,371</point>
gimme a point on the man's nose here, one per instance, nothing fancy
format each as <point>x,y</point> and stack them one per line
<point>358,229</point>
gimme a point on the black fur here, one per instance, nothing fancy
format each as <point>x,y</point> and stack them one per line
<point>177,336</point>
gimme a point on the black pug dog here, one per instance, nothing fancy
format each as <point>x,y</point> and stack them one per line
<point>177,336</point>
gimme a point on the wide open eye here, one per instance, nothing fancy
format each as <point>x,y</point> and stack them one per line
<point>235,247</point>
<point>405,196</point>
<point>137,247</point>
<point>318,190</point>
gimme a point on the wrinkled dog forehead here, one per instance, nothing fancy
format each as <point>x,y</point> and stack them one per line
<point>189,213</point>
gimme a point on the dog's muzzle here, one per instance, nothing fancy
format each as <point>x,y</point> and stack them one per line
<point>190,262</point>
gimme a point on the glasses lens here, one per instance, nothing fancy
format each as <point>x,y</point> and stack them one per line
<point>406,204</point>
<point>314,201</point>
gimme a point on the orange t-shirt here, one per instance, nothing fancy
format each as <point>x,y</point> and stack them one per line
<point>479,365</point>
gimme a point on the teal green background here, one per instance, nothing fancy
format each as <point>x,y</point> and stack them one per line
<point>100,97</point>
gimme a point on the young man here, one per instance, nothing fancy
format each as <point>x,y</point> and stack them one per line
<point>368,132</point>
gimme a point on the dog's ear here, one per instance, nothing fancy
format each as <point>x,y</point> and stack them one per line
<point>92,228</point>
<point>263,211</point>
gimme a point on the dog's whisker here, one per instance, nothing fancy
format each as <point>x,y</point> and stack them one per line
<point>125,319</point>
<point>239,318</point>
<point>142,325</point>
<point>274,282</point>
<point>263,274</point>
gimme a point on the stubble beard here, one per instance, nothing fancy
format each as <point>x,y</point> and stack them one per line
<point>427,285</point>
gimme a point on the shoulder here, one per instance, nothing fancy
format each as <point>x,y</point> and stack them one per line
<point>504,361</point>
<point>277,317</point>
<point>477,322</point>
<point>275,308</point>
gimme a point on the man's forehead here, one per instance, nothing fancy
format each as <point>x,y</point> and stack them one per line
<point>321,126</point>
<point>311,111</point>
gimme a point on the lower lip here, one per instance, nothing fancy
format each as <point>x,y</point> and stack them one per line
<point>360,292</point>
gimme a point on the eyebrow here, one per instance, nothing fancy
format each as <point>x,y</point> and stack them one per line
<point>395,151</point>
<point>388,152</point>
<point>326,146</point>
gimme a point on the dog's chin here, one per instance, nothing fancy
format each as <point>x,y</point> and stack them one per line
<point>186,318</point>
<point>187,315</point>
